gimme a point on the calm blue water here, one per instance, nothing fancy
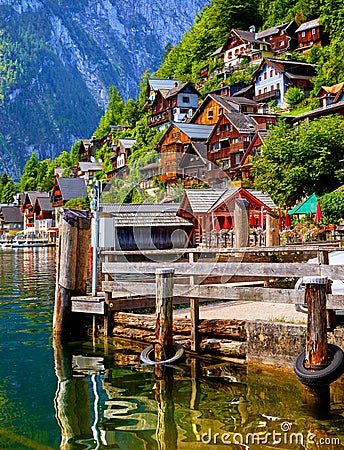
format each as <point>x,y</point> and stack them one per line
<point>96,395</point>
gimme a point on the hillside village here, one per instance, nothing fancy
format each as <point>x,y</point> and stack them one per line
<point>204,144</point>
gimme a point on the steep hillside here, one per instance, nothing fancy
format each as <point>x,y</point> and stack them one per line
<point>59,58</point>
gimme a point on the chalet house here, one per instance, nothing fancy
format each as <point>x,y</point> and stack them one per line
<point>44,215</point>
<point>148,174</point>
<point>274,76</point>
<point>11,220</point>
<point>214,106</point>
<point>175,105</point>
<point>194,164</point>
<point>228,142</point>
<point>243,170</point>
<point>87,170</point>
<point>154,85</point>
<point>88,147</point>
<point>67,189</point>
<point>27,207</point>
<point>281,38</point>
<point>119,159</point>
<point>213,209</point>
<point>244,47</point>
<point>228,90</point>
<point>308,35</point>
<point>173,145</point>
<point>144,227</point>
<point>331,94</point>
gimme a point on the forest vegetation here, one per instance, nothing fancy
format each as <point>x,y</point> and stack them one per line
<point>295,161</point>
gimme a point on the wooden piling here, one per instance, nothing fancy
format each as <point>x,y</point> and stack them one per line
<point>164,307</point>
<point>272,229</point>
<point>241,222</point>
<point>316,337</point>
<point>71,275</point>
<point>194,313</point>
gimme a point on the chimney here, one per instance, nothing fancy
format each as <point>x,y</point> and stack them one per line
<point>252,29</point>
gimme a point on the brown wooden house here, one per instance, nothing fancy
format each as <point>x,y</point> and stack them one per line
<point>173,145</point>
<point>243,170</point>
<point>11,220</point>
<point>308,35</point>
<point>44,215</point>
<point>66,189</point>
<point>281,38</point>
<point>119,159</point>
<point>175,105</point>
<point>214,106</point>
<point>228,142</point>
<point>27,207</point>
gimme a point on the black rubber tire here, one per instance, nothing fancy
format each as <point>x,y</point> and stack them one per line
<point>145,355</point>
<point>323,376</point>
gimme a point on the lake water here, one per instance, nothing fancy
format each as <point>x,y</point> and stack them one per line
<point>96,395</point>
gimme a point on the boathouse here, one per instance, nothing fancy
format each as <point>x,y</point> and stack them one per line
<point>213,209</point>
<point>143,227</point>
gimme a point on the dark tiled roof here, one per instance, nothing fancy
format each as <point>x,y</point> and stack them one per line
<point>72,188</point>
<point>308,25</point>
<point>195,131</point>
<point>144,215</point>
<point>32,195</point>
<point>242,122</point>
<point>12,214</point>
<point>45,203</point>
<point>249,36</point>
<point>201,200</point>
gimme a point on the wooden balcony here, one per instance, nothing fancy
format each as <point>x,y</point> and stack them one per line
<point>270,95</point>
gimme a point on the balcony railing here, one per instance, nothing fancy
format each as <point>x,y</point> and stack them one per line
<point>270,95</point>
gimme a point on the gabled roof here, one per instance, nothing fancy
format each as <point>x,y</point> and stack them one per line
<point>126,142</point>
<point>72,188</point>
<point>30,196</point>
<point>308,25</point>
<point>176,90</point>
<point>12,214</point>
<point>161,83</point>
<point>144,215</point>
<point>195,131</point>
<point>274,30</point>
<point>194,149</point>
<point>208,200</point>
<point>332,89</point>
<point>291,69</point>
<point>200,200</point>
<point>44,203</point>
<point>242,122</point>
<point>248,36</point>
<point>90,166</point>
<point>258,197</point>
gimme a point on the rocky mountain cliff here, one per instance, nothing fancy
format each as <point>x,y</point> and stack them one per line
<point>59,58</point>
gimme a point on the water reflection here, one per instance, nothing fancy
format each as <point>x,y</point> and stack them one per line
<point>106,399</point>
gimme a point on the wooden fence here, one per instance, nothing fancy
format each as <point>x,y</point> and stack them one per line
<point>201,267</point>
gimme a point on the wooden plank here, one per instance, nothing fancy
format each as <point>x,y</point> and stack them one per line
<point>282,249</point>
<point>272,270</point>
<point>89,307</point>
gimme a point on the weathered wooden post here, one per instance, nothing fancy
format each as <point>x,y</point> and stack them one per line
<point>316,337</point>
<point>164,307</point>
<point>272,229</point>
<point>72,263</point>
<point>241,222</point>
<point>194,312</point>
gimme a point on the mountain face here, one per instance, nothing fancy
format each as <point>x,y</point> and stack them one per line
<point>59,57</point>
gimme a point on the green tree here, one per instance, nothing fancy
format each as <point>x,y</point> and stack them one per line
<point>8,191</point>
<point>28,180</point>
<point>294,96</point>
<point>332,206</point>
<point>297,161</point>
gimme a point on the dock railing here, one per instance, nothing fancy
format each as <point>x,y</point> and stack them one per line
<point>208,275</point>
